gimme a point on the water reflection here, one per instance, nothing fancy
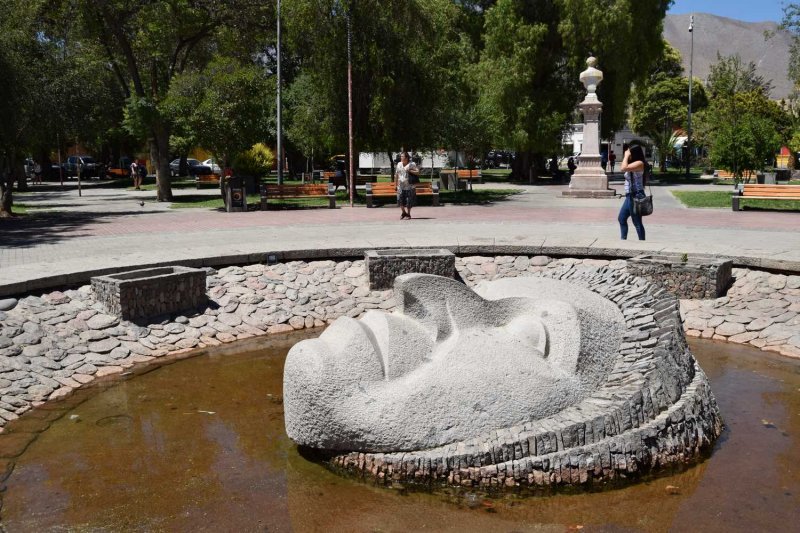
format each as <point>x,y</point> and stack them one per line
<point>199,445</point>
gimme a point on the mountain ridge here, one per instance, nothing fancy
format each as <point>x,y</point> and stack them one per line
<point>715,34</point>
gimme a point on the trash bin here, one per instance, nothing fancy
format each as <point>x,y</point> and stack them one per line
<point>760,179</point>
<point>769,178</point>
<point>235,195</point>
<point>250,184</point>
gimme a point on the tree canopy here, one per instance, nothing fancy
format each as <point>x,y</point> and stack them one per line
<point>534,51</point>
<point>742,126</point>
<point>170,75</point>
<point>659,104</point>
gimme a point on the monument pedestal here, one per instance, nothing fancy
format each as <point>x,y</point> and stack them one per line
<point>590,180</point>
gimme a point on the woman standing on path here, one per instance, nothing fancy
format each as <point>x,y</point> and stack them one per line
<point>405,190</point>
<point>633,165</point>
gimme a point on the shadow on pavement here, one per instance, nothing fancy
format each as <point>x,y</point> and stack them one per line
<point>46,227</point>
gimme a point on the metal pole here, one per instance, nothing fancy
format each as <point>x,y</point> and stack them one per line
<point>689,121</point>
<point>60,168</point>
<point>280,144</point>
<point>78,167</point>
<point>350,104</point>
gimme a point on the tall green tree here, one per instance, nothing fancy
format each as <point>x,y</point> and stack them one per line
<point>404,54</point>
<point>147,44</point>
<point>226,108</point>
<point>533,53</point>
<point>45,101</point>
<point>659,104</point>
<point>791,23</point>
<point>742,126</point>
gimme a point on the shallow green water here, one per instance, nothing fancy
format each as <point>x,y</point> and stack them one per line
<point>198,445</point>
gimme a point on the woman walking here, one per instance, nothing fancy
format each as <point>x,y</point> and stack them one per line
<point>405,189</point>
<point>634,166</point>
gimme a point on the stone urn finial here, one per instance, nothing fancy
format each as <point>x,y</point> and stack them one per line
<point>591,77</point>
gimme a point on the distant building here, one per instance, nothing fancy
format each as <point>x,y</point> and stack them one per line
<point>622,137</point>
<point>377,161</point>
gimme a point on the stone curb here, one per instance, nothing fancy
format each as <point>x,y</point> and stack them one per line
<point>77,277</point>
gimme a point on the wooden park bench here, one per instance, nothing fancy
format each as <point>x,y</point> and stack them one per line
<point>725,174</point>
<point>390,190</point>
<point>469,176</point>
<point>341,180</point>
<point>330,176</point>
<point>118,173</point>
<point>271,191</point>
<point>363,179</point>
<point>764,192</point>
<point>212,179</point>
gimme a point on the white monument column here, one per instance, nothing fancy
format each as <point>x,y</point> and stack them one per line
<point>590,180</point>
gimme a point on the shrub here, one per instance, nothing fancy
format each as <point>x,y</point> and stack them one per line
<point>257,161</point>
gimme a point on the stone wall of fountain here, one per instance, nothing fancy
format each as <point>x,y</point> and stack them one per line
<point>651,410</point>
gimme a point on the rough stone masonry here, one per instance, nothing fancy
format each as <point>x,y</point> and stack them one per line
<point>60,340</point>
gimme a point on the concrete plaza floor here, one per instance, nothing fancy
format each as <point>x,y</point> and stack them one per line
<point>68,238</point>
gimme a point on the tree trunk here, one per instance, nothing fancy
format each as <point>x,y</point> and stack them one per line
<point>391,164</point>
<point>6,189</point>
<point>159,155</point>
<point>520,170</point>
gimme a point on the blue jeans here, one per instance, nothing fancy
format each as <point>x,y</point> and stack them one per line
<point>627,211</point>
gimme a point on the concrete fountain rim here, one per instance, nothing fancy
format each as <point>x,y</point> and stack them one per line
<point>81,276</point>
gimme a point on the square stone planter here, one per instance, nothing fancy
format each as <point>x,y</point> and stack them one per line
<point>384,265</point>
<point>150,292</point>
<point>695,276</point>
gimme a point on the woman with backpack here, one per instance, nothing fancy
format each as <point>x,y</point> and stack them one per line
<point>635,167</point>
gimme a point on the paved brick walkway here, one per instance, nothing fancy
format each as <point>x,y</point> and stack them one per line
<point>110,229</point>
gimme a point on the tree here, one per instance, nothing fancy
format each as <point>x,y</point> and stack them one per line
<point>44,99</point>
<point>401,81</point>
<point>148,44</point>
<point>659,104</point>
<point>533,53</point>
<point>743,144</point>
<point>742,126</point>
<point>9,127</point>
<point>791,23</point>
<point>226,107</point>
<point>664,142</point>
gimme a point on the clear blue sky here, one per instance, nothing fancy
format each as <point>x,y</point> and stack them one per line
<point>749,10</point>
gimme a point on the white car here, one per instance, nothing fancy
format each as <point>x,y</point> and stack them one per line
<point>213,165</point>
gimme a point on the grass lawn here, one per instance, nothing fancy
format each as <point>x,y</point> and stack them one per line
<point>20,209</point>
<point>676,176</point>
<point>722,199</point>
<point>494,175</point>
<point>478,197</point>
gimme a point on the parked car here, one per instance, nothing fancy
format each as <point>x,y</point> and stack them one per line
<point>88,166</point>
<point>212,164</point>
<point>498,159</point>
<point>195,167</point>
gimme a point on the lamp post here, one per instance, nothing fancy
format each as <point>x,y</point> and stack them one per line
<point>689,121</point>
<point>278,125</point>
<point>352,180</point>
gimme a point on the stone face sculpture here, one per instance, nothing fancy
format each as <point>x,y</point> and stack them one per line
<point>459,382</point>
<point>448,365</point>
